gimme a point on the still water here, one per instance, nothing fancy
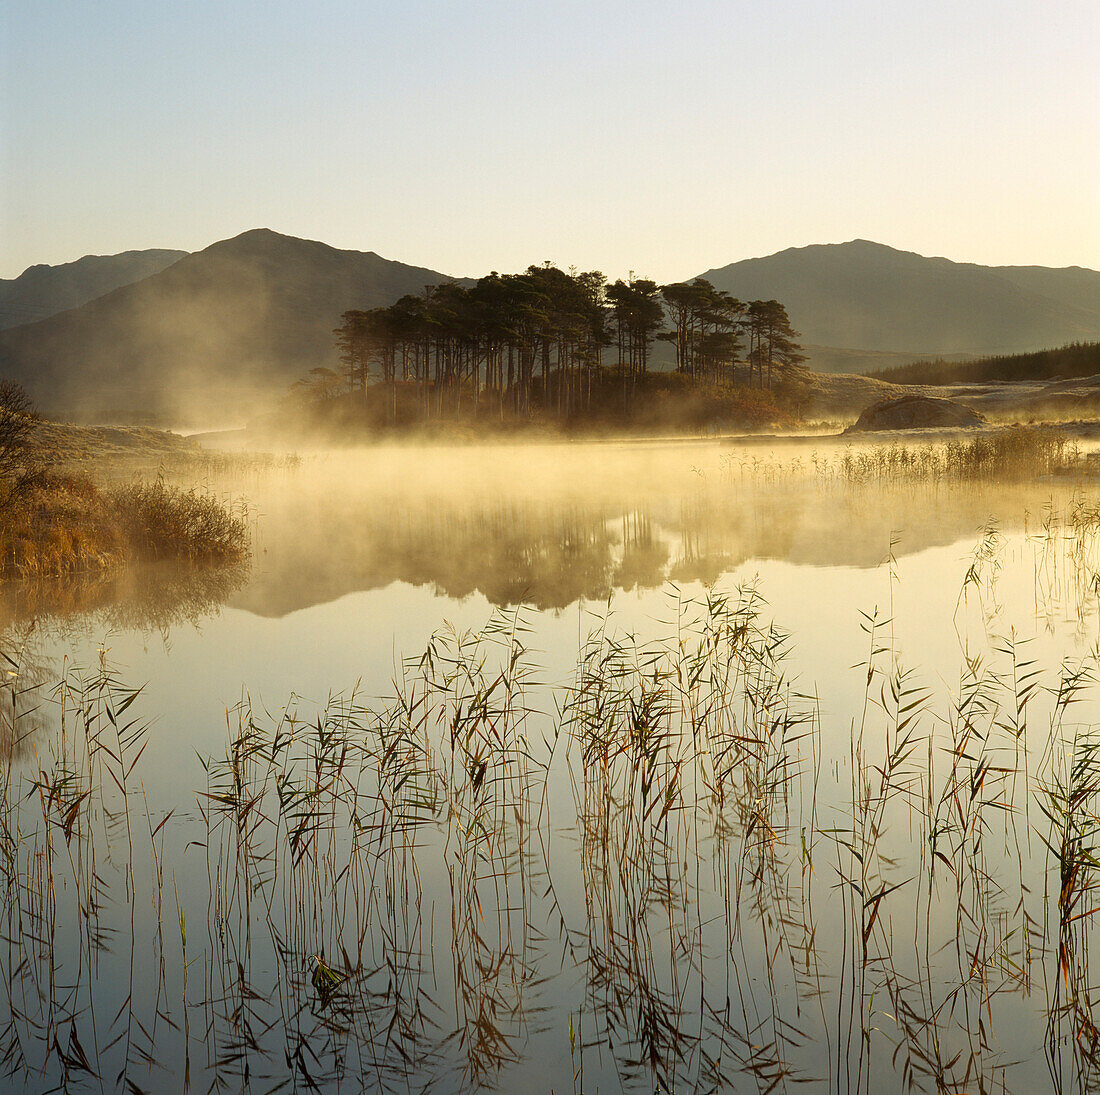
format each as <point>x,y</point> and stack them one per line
<point>725,770</point>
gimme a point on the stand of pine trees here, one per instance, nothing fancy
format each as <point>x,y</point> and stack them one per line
<point>565,346</point>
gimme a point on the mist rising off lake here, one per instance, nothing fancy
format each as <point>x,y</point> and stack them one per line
<point>655,766</point>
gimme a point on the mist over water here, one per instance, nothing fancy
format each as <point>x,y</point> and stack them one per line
<point>360,556</point>
<point>548,525</point>
<point>493,924</point>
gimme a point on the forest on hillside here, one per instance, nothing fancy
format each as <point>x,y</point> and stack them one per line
<point>565,347</point>
<point>1075,359</point>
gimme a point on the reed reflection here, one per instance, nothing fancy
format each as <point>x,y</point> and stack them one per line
<point>36,615</point>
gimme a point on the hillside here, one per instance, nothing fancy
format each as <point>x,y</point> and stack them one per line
<point>215,331</point>
<point>864,296</point>
<point>42,291</point>
<point>832,359</point>
<point>1076,360</point>
<point>206,336</point>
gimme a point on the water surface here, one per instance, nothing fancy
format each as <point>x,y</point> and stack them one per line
<point>691,713</point>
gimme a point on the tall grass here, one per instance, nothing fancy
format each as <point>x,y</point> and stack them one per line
<point>63,525</point>
<point>672,872</point>
<point>162,521</point>
<point>1013,454</point>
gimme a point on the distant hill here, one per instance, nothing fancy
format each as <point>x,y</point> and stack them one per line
<point>1075,360</point>
<point>863,296</point>
<point>202,339</point>
<point>198,338</point>
<point>834,359</point>
<point>42,291</point>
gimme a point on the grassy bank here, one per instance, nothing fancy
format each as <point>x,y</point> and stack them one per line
<point>54,525</point>
<point>56,520</point>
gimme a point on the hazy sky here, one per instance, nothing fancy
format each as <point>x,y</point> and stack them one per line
<point>666,138</point>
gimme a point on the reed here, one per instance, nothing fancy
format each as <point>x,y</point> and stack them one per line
<point>670,872</point>
<point>1016,453</point>
<point>65,525</point>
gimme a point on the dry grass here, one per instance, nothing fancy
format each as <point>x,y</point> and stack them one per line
<point>161,521</point>
<point>1008,455</point>
<point>1019,452</point>
<point>59,525</point>
<point>65,524</point>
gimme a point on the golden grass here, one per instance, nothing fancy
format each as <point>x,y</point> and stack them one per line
<point>64,524</point>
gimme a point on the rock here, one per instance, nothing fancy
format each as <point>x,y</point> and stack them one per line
<point>915,412</point>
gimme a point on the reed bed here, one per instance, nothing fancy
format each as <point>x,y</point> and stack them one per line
<point>65,525</point>
<point>162,521</point>
<point>671,872</point>
<point>1013,454</point>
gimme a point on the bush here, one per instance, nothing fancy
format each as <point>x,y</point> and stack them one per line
<point>53,524</point>
<point>160,522</point>
<point>57,525</point>
<point>18,421</point>
<point>65,525</point>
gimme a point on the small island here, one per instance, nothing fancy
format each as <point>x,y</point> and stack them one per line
<point>555,351</point>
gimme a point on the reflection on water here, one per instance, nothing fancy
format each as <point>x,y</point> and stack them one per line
<point>35,616</point>
<point>810,806</point>
<point>578,523</point>
<point>666,875</point>
<point>142,597</point>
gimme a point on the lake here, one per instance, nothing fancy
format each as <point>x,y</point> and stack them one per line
<point>652,766</point>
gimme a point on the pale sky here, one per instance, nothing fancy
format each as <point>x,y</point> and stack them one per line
<point>469,136</point>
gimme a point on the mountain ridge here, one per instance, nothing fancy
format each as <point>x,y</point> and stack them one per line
<point>868,296</point>
<point>42,290</point>
<point>243,318</point>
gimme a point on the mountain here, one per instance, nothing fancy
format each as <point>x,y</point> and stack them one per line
<point>207,335</point>
<point>864,296</point>
<point>42,291</point>
<point>203,339</point>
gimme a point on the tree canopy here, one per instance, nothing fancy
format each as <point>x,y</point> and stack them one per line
<point>511,343</point>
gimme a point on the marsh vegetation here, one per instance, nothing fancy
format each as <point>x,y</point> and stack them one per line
<point>57,520</point>
<point>779,773</point>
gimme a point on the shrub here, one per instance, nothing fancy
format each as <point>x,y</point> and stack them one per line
<point>57,525</point>
<point>18,421</point>
<point>160,521</point>
<point>63,524</point>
